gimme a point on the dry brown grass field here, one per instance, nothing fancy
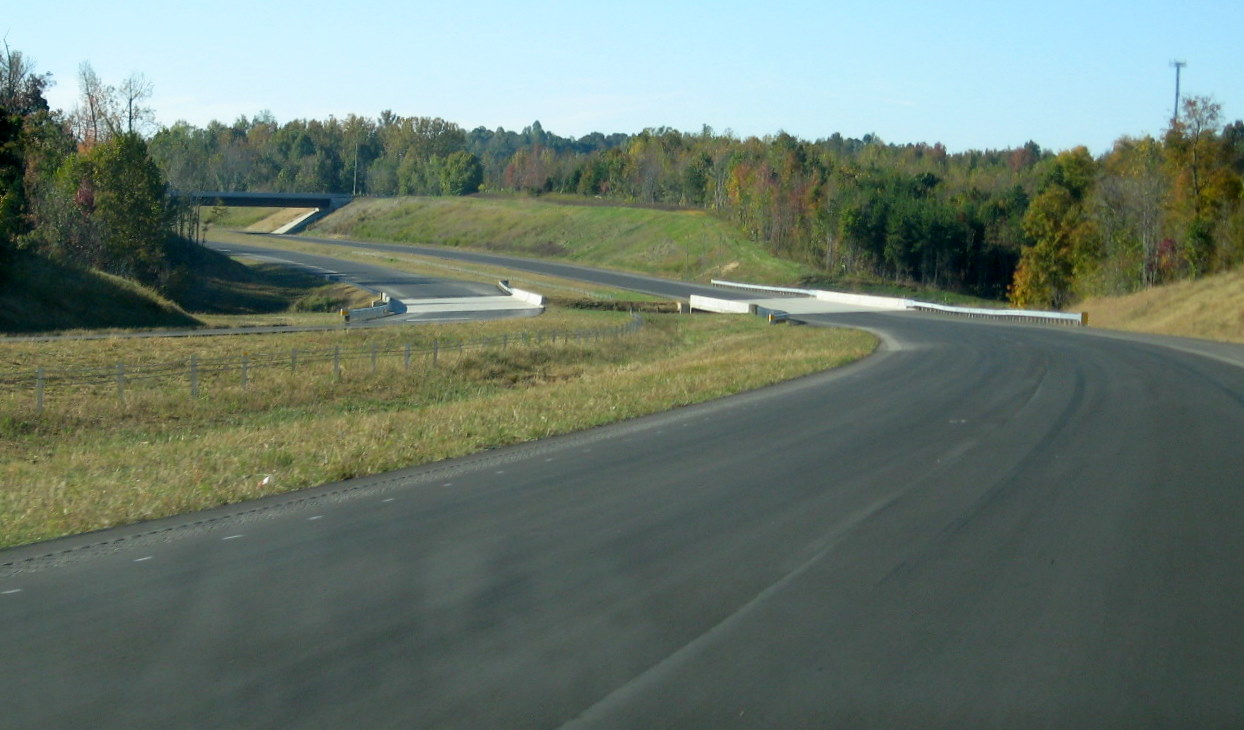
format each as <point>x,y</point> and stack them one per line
<point>1211,308</point>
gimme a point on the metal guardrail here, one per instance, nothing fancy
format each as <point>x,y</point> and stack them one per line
<point>781,291</point>
<point>1011,315</point>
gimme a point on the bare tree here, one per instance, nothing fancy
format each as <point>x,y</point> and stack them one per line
<point>21,89</point>
<point>135,90</point>
<point>96,119</point>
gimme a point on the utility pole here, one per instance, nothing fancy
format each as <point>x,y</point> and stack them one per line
<point>1178,66</point>
<point>356,166</point>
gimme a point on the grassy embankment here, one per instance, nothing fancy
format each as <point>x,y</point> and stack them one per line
<point>90,461</point>
<point>43,296</point>
<point>39,295</point>
<point>684,244</point>
<point>1211,308</point>
<point>691,244</point>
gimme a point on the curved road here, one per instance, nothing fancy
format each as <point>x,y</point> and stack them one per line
<point>374,277</point>
<point>982,525</point>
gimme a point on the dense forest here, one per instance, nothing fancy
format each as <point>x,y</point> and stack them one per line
<point>1038,227</point>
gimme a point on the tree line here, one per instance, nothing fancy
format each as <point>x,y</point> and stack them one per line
<point>1040,228</point>
<point>1149,211</point>
<point>81,187</point>
<point>850,207</point>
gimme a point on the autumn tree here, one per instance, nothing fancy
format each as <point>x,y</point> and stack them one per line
<point>1128,210</point>
<point>1204,184</point>
<point>107,208</point>
<point>1063,235</point>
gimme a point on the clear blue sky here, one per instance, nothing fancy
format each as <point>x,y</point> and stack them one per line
<point>971,74</point>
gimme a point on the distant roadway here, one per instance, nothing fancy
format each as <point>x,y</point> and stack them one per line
<point>982,525</point>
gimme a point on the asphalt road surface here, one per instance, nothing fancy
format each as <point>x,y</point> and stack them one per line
<point>982,525</point>
<point>374,277</point>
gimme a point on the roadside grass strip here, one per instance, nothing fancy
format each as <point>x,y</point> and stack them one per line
<point>94,460</point>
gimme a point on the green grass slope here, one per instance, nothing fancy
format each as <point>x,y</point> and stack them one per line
<point>224,286</point>
<point>684,244</point>
<point>39,295</point>
<point>1211,308</point>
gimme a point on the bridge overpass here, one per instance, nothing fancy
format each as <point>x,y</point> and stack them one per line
<point>322,201</point>
<point>320,204</point>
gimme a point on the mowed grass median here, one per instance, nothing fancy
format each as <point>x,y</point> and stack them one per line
<point>92,460</point>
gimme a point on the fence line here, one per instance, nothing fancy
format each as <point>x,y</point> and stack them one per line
<point>123,377</point>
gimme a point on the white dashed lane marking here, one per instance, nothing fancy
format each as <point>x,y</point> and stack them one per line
<point>388,499</point>
<point>317,517</point>
<point>231,537</point>
<point>142,559</point>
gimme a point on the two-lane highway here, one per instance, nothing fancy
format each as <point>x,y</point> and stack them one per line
<point>980,526</point>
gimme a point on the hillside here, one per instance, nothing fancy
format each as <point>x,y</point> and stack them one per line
<point>688,244</point>
<point>44,296</point>
<point>1211,308</point>
<point>41,296</point>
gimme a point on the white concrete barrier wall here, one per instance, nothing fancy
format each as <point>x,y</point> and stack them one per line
<point>296,224</point>
<point>527,296</point>
<point>721,306</point>
<point>858,300</point>
<point>863,300</point>
<point>868,300</point>
<point>521,295</point>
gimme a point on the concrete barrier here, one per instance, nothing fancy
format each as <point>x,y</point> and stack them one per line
<point>773,316</point>
<point>897,303</point>
<point>301,222</point>
<point>863,300</point>
<point>858,300</point>
<point>720,306</point>
<point>521,295</point>
<point>365,314</point>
